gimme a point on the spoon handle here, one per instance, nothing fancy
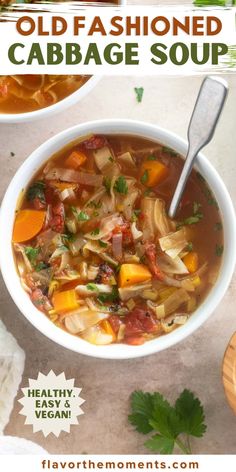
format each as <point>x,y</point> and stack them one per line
<point>206,113</point>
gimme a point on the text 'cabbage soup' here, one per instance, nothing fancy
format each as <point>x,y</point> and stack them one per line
<point>25,93</point>
<point>96,251</point>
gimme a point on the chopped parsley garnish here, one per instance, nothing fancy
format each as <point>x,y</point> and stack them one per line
<point>32,253</point>
<point>80,215</point>
<point>195,218</point>
<point>111,159</point>
<point>70,237</point>
<point>135,215</point>
<point>102,243</point>
<point>41,265</point>
<point>96,205</point>
<point>144,177</point>
<point>109,297</point>
<point>92,287</point>
<point>36,190</point>
<point>121,185</point>
<point>95,232</point>
<point>151,158</point>
<point>218,226</point>
<point>219,250</point>
<point>170,425</point>
<point>139,93</point>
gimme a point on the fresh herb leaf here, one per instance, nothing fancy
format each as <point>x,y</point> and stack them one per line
<point>92,287</point>
<point>70,237</point>
<point>109,297</point>
<point>102,243</point>
<point>40,266</point>
<point>135,215</point>
<point>161,444</point>
<point>218,226</point>
<point>111,159</point>
<point>139,93</point>
<point>219,250</point>
<point>95,232</point>
<point>96,205</point>
<point>142,408</point>
<point>36,190</point>
<point>152,412</point>
<point>121,185</point>
<point>190,410</point>
<point>151,158</point>
<point>191,220</point>
<point>144,177</point>
<point>32,253</point>
<point>80,215</point>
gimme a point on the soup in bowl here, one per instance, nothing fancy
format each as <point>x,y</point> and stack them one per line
<point>28,97</point>
<point>100,266</point>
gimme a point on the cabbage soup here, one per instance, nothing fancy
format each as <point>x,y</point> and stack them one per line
<point>96,251</point>
<point>25,93</point>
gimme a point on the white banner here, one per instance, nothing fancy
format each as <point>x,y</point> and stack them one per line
<point>201,463</point>
<point>113,40</point>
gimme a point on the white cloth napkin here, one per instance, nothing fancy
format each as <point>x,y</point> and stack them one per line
<point>12,361</point>
<point>13,445</point>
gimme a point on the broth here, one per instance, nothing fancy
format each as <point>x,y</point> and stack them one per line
<point>25,93</point>
<point>96,250</point>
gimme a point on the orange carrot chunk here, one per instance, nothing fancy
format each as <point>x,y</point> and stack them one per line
<point>131,274</point>
<point>75,159</point>
<point>153,173</point>
<point>65,301</point>
<point>28,224</point>
<point>106,325</point>
<point>191,261</point>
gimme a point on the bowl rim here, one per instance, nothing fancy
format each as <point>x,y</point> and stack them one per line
<point>11,278</point>
<point>70,100</point>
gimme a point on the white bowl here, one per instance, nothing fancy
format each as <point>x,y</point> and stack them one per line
<point>22,300</point>
<point>66,102</point>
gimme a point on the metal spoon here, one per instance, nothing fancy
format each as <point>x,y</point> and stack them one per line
<point>204,119</point>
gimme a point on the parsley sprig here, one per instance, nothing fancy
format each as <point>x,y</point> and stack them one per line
<point>172,425</point>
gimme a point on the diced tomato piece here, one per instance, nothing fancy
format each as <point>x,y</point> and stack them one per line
<point>140,321</point>
<point>95,142</point>
<point>39,299</point>
<point>150,251</point>
<point>51,196</point>
<point>57,219</point>
<point>115,323</point>
<point>135,340</point>
<point>125,229</point>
